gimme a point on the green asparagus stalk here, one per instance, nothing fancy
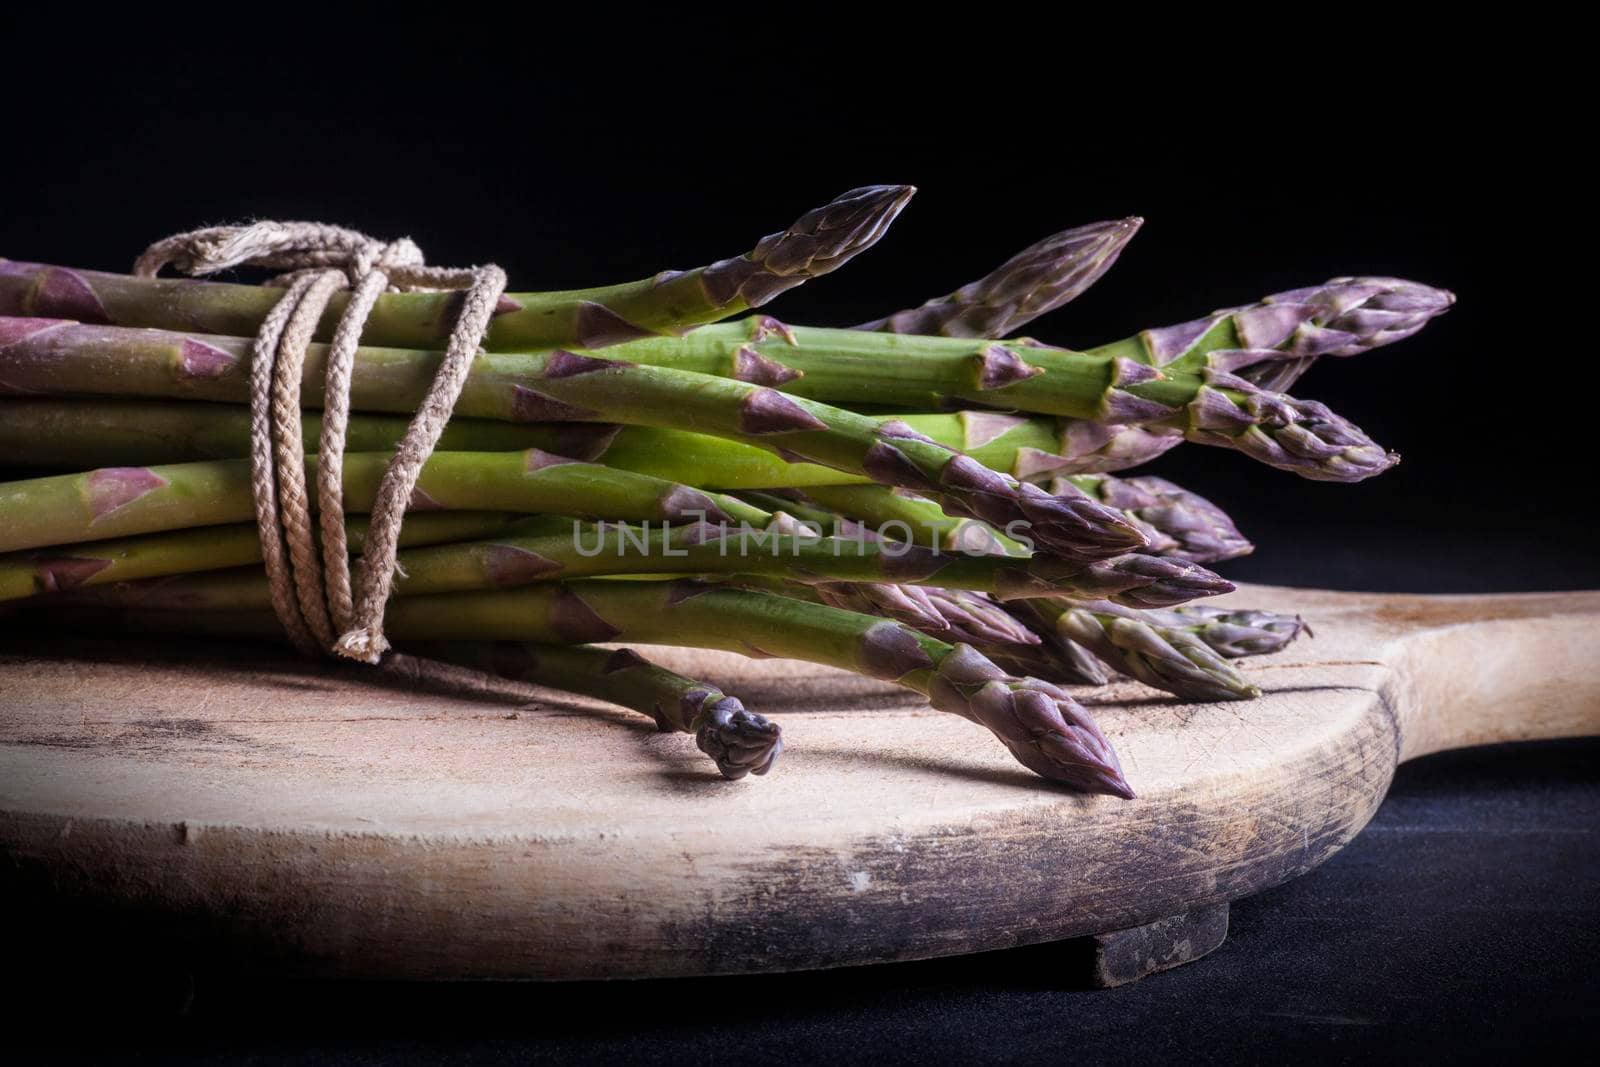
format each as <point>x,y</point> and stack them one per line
<point>560,385</point>
<point>740,741</point>
<point>24,574</point>
<point>1167,658</point>
<point>818,242</point>
<point>85,432</point>
<point>80,432</point>
<point>89,432</point>
<point>1042,726</point>
<point>1039,279</point>
<point>904,516</point>
<point>1208,406</point>
<point>549,549</point>
<point>124,501</point>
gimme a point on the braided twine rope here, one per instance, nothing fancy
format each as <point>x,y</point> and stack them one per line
<point>323,609</point>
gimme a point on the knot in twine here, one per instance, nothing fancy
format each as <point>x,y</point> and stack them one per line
<point>312,591</point>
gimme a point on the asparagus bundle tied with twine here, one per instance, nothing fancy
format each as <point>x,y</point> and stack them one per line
<point>509,481</point>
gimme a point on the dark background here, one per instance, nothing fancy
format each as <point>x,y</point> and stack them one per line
<point>576,157</point>
<point>586,152</point>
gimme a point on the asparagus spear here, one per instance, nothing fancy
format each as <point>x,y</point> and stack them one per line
<point>1024,447</point>
<point>124,501</point>
<point>1229,632</point>
<point>949,614</point>
<point>550,548</point>
<point>88,432</point>
<point>1178,523</point>
<point>1273,342</point>
<point>560,385</point>
<point>1137,580</point>
<point>1269,344</point>
<point>82,432</point>
<point>740,741</point>
<point>818,242</point>
<point>1039,279</point>
<point>1056,659</point>
<point>24,574</point>
<point>900,514</point>
<point>1235,632</point>
<point>1090,447</point>
<point>1208,406</point>
<point>1042,726</point>
<point>1168,658</point>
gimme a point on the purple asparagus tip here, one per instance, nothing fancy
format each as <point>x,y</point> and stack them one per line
<point>820,241</point>
<point>1045,729</point>
<point>1187,524</point>
<point>1140,580</point>
<point>1238,632</point>
<point>1171,659</point>
<point>1039,279</point>
<point>1348,316</point>
<point>1301,436</point>
<point>1279,338</point>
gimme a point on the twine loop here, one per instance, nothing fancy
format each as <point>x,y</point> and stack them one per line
<point>313,593</point>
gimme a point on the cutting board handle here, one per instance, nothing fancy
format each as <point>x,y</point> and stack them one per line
<point>1477,670</point>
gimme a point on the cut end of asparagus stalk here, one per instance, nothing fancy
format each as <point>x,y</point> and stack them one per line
<point>820,241</point>
<point>740,741</point>
<point>1045,729</point>
<point>1039,279</point>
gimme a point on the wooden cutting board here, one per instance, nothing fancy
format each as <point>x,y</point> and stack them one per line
<point>334,822</point>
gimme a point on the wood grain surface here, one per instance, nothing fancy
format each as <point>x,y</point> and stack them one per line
<point>407,823</point>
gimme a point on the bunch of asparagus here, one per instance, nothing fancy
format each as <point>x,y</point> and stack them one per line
<point>916,499</point>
